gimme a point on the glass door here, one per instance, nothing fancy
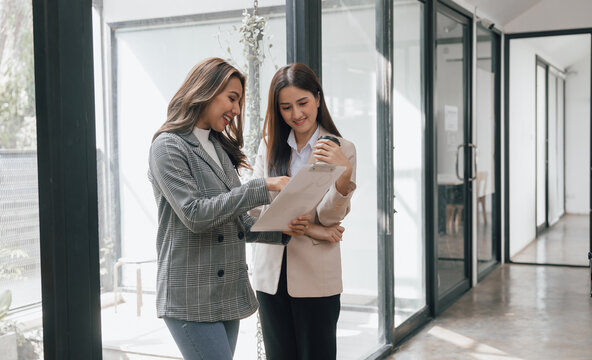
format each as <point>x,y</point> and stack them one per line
<point>408,160</point>
<point>541,146</point>
<point>485,126</point>
<point>453,155</point>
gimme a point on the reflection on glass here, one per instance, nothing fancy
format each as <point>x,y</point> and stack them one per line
<point>541,136</point>
<point>449,123</point>
<point>552,151</point>
<point>143,65</point>
<point>561,146</point>
<point>408,160</point>
<point>20,275</point>
<point>485,140</point>
<point>349,78</point>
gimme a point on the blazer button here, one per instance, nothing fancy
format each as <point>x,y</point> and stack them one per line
<point>241,235</point>
<point>220,273</point>
<point>220,238</point>
<point>285,239</point>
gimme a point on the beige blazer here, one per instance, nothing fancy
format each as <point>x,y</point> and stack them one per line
<point>313,267</point>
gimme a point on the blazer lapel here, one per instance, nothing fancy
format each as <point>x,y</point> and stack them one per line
<point>232,179</point>
<point>200,151</point>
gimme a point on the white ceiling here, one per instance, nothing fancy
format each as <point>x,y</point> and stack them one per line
<point>503,11</point>
<point>563,51</point>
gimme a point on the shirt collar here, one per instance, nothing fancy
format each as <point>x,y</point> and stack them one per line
<point>313,139</point>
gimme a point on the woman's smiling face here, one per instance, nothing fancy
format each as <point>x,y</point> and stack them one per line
<point>299,110</point>
<point>223,108</point>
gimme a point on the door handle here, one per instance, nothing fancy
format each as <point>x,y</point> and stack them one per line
<point>474,153</point>
<point>457,171</point>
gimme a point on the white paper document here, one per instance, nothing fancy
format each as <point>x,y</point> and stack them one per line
<point>300,195</point>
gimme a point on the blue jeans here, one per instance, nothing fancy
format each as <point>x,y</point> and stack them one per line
<point>204,341</point>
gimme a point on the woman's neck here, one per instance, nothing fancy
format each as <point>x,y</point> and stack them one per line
<point>201,125</point>
<point>302,139</point>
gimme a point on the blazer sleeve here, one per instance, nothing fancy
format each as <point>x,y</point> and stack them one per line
<point>170,171</point>
<point>259,172</point>
<point>334,206</point>
<point>268,237</point>
<point>264,237</point>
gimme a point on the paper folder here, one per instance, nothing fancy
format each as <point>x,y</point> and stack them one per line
<point>300,195</point>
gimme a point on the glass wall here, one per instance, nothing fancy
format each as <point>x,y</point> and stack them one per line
<point>560,146</point>
<point>349,82</point>
<point>484,128</point>
<point>552,214</point>
<point>20,275</point>
<point>408,158</point>
<point>144,62</point>
<point>550,144</point>
<point>556,146</point>
<point>541,136</point>
<point>450,120</point>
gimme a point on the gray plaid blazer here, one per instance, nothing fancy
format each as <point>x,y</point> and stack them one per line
<point>202,229</point>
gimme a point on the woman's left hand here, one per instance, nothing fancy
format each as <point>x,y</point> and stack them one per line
<point>328,151</point>
<point>331,153</point>
<point>299,225</point>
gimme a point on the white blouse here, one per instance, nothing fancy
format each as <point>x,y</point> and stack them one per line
<point>204,139</point>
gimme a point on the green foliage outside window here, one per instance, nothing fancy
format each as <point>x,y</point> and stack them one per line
<point>17,81</point>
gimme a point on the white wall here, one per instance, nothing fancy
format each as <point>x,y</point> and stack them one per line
<point>522,144</point>
<point>553,15</point>
<point>125,10</point>
<point>577,132</point>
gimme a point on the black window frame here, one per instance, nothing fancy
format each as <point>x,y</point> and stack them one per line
<point>67,178</point>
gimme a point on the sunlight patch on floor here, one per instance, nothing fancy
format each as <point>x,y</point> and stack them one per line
<point>477,350</point>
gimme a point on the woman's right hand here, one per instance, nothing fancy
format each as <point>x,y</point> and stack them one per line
<point>331,234</point>
<point>276,183</point>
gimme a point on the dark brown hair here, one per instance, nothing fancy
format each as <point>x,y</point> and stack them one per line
<point>204,82</point>
<point>275,128</point>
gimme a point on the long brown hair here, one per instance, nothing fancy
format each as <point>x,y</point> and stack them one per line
<point>276,129</point>
<point>204,82</point>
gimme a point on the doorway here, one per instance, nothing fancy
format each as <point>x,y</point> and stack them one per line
<point>548,167</point>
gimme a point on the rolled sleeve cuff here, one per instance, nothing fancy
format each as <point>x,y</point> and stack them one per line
<point>340,199</point>
<point>261,195</point>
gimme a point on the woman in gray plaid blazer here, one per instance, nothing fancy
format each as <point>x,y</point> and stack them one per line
<point>202,285</point>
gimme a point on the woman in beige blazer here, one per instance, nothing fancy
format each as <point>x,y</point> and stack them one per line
<point>299,285</point>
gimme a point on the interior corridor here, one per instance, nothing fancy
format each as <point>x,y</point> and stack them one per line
<point>518,312</point>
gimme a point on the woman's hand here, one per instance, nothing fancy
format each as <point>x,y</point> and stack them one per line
<point>298,226</point>
<point>331,153</point>
<point>331,234</point>
<point>276,183</point>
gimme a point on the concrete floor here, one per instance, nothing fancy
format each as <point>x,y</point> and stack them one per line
<point>566,242</point>
<point>517,312</point>
<point>126,336</point>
